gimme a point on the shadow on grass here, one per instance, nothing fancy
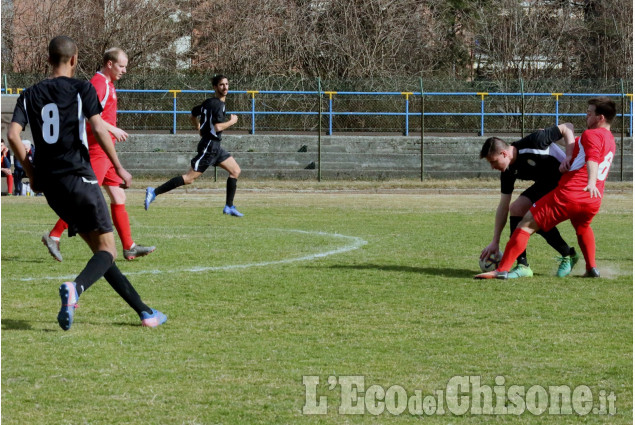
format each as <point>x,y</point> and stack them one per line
<point>432,271</point>
<point>15,325</point>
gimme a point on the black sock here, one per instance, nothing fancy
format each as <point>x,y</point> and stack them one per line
<point>554,239</point>
<point>95,268</point>
<point>173,183</point>
<point>231,191</point>
<point>124,288</point>
<point>514,220</point>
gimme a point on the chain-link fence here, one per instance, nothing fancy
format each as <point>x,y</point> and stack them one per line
<point>159,102</point>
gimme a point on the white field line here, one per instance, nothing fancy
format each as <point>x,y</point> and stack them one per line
<point>354,243</point>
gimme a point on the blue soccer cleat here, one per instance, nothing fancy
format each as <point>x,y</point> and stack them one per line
<point>150,196</point>
<point>232,211</point>
<point>520,270</point>
<point>153,320</point>
<point>68,294</point>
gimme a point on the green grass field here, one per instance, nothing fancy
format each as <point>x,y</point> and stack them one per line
<point>366,280</point>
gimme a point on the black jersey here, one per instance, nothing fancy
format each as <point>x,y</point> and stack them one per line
<point>210,112</point>
<point>538,159</point>
<point>56,110</point>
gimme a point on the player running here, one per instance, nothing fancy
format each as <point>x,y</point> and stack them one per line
<point>210,120</point>
<point>113,67</point>
<point>56,109</point>
<point>578,196</point>
<point>536,158</point>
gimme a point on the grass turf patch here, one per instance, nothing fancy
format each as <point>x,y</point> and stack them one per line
<point>321,283</point>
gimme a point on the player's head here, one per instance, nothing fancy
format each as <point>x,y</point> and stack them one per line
<point>62,49</point>
<point>497,152</point>
<point>601,110</point>
<point>220,84</point>
<point>114,63</point>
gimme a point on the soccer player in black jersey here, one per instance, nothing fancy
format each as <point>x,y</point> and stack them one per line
<point>210,120</point>
<point>56,109</point>
<point>535,158</point>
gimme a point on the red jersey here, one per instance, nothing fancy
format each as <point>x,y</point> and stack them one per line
<point>597,145</point>
<point>108,99</point>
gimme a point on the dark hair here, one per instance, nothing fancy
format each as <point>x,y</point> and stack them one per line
<point>61,50</point>
<point>217,79</point>
<point>112,54</point>
<point>491,146</point>
<point>604,106</point>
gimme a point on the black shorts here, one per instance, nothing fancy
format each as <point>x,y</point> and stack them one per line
<point>539,189</point>
<point>209,152</point>
<point>79,202</point>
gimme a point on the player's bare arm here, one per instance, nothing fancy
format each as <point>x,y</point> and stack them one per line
<point>195,122</point>
<point>502,211</point>
<point>221,126</point>
<point>592,172</point>
<point>568,136</point>
<point>120,135</point>
<point>101,134</point>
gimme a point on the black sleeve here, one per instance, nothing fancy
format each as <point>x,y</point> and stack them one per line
<point>90,101</point>
<point>19,113</point>
<point>196,111</point>
<point>507,182</point>
<point>217,112</point>
<point>540,139</point>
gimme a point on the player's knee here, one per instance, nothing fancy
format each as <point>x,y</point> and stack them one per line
<point>236,172</point>
<point>517,209</point>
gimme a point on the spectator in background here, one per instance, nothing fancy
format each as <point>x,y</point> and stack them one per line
<point>6,167</point>
<point>18,170</point>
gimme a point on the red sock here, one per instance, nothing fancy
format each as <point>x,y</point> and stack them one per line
<point>586,240</point>
<point>58,229</point>
<point>122,224</point>
<point>10,184</point>
<point>517,244</point>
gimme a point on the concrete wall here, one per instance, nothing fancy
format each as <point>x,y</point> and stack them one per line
<point>345,157</point>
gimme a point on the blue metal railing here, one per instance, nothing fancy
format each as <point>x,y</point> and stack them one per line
<point>331,112</point>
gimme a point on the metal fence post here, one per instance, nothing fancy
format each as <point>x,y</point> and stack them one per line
<point>622,133</point>
<point>422,124</point>
<point>330,93</point>
<point>319,173</point>
<point>557,95</point>
<point>174,92</point>
<point>253,110</point>
<point>407,94</point>
<point>522,108</point>
<point>482,112</point>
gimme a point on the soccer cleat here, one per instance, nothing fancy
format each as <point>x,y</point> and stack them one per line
<point>520,270</point>
<point>68,294</point>
<point>137,251</point>
<point>53,246</point>
<point>232,211</point>
<point>150,196</point>
<point>566,264</point>
<point>492,275</point>
<point>592,272</point>
<point>152,320</point>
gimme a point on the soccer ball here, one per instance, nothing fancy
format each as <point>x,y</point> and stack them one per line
<point>491,262</point>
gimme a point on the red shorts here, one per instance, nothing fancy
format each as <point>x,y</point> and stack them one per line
<point>104,170</point>
<point>554,208</point>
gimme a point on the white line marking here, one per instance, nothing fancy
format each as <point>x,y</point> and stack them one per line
<point>355,243</point>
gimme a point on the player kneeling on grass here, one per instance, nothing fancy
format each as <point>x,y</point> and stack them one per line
<point>578,196</point>
<point>536,158</point>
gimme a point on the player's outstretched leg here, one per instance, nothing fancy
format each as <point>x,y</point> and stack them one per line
<point>152,320</point>
<point>492,275</point>
<point>68,295</point>
<point>150,196</point>
<point>137,251</point>
<point>53,246</point>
